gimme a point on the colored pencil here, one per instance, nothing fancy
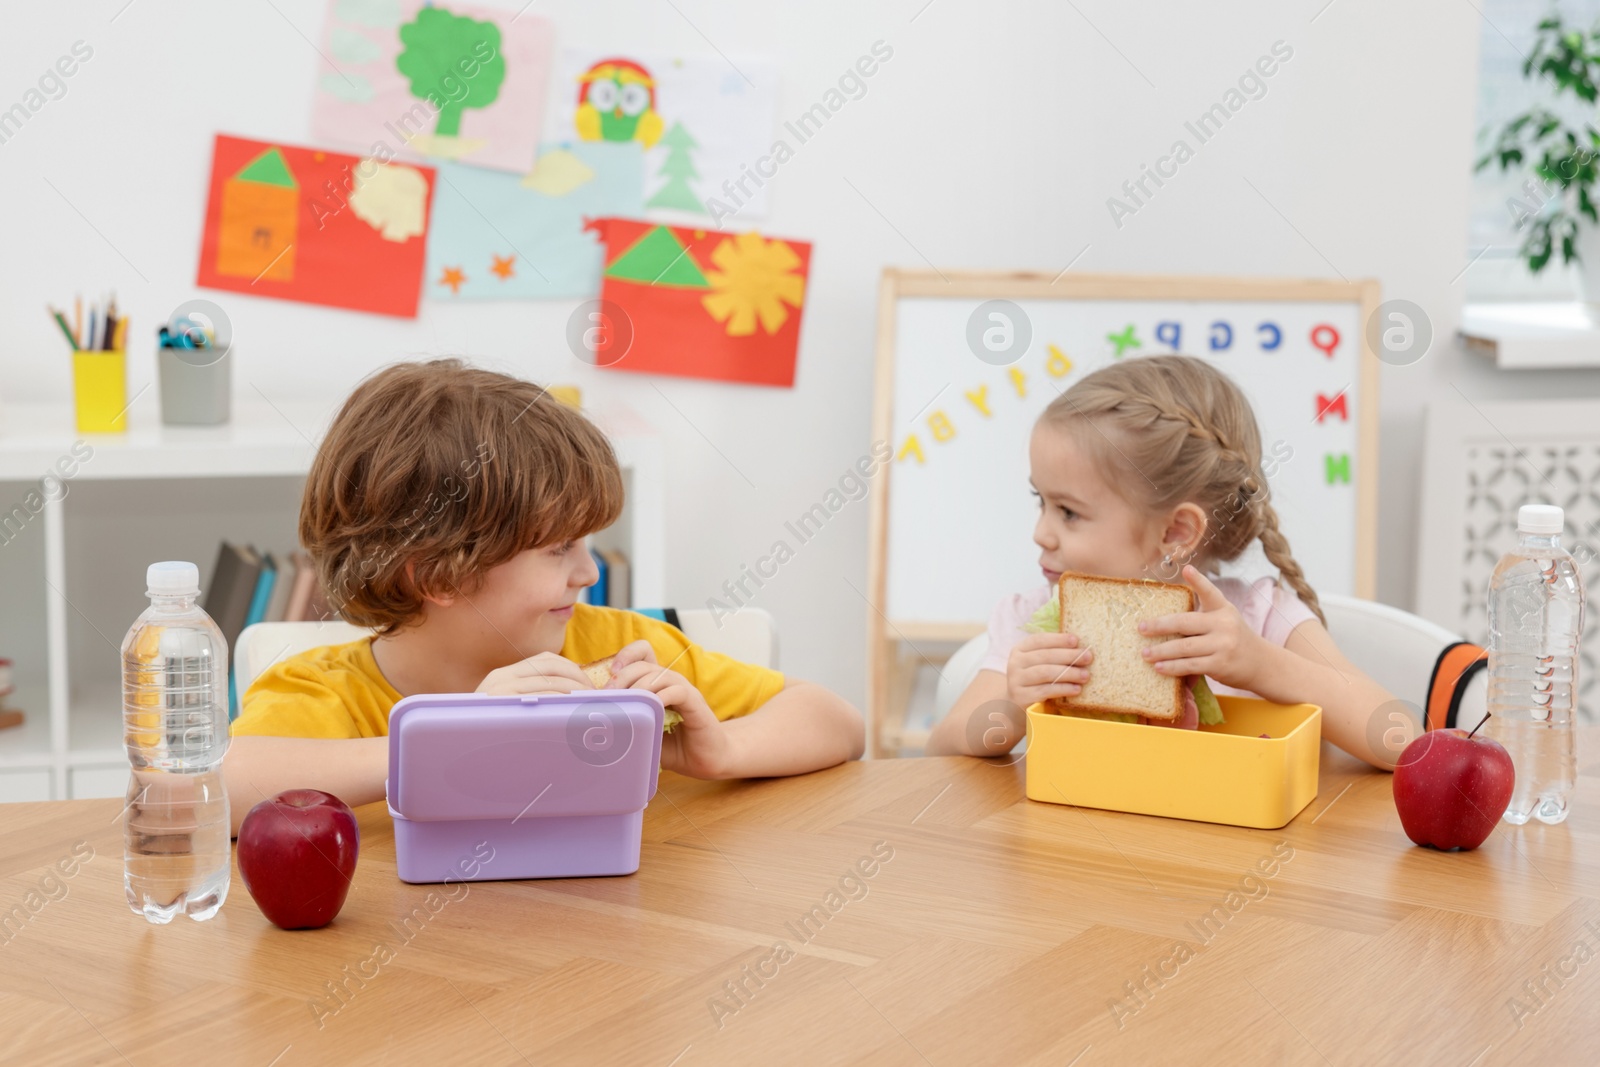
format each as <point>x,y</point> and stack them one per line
<point>66,331</point>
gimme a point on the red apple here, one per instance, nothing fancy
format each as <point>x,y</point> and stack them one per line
<point>297,854</point>
<point>1451,787</point>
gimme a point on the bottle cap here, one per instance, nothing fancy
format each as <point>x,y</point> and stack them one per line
<point>1542,519</point>
<point>173,578</point>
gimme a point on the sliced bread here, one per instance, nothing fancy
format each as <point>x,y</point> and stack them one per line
<point>599,672</point>
<point>1105,614</point>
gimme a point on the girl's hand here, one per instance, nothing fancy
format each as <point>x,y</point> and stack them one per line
<point>699,746</point>
<point>1043,666</point>
<point>1213,641</point>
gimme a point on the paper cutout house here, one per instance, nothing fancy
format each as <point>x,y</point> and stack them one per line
<point>260,218</point>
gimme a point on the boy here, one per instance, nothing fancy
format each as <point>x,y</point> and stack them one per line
<point>446,510</point>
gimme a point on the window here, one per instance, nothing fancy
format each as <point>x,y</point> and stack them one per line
<point>1507,32</point>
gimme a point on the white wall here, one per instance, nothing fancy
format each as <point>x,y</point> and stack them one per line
<point>991,140</point>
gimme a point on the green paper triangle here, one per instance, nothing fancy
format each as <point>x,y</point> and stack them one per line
<point>658,258</point>
<point>268,169</point>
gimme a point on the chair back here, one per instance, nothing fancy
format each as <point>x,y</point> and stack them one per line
<point>265,643</point>
<point>1394,648</point>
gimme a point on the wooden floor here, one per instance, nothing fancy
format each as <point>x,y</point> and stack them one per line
<point>992,929</point>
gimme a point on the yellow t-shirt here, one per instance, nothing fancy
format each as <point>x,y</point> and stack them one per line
<point>338,692</point>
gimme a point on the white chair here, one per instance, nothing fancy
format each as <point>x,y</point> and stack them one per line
<point>1394,648</point>
<point>749,635</point>
<point>265,643</point>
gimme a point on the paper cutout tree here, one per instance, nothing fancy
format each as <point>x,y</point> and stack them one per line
<point>435,43</point>
<point>678,169</point>
<point>260,218</point>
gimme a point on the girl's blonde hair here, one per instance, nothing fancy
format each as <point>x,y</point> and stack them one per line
<point>1175,428</point>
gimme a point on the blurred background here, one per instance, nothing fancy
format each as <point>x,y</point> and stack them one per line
<point>993,139</point>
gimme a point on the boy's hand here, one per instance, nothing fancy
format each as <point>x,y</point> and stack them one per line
<point>698,746</point>
<point>544,673</point>
<point>1043,666</point>
<point>1213,641</point>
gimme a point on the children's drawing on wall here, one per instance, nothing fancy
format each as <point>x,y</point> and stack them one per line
<point>705,125</point>
<point>499,236</point>
<point>443,81</point>
<point>703,303</point>
<point>313,226</point>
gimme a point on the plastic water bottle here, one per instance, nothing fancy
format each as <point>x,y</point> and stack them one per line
<point>175,721</point>
<point>1535,622</point>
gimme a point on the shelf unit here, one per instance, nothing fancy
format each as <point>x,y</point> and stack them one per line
<point>1532,336</point>
<point>170,492</point>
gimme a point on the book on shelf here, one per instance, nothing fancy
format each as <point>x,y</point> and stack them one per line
<point>263,591</point>
<point>597,591</point>
<point>8,716</point>
<point>298,606</point>
<point>619,592</point>
<point>233,588</point>
<point>282,585</point>
<point>248,587</point>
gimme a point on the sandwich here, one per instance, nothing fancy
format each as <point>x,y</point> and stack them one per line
<point>599,673</point>
<point>1105,614</point>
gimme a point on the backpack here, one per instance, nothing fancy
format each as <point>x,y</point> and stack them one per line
<point>1457,667</point>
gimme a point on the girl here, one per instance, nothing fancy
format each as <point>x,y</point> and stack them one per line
<point>1152,468</point>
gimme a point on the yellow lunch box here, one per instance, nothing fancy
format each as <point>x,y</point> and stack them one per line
<point>1222,774</point>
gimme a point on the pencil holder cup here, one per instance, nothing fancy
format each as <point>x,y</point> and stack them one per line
<point>196,386</point>
<point>100,391</point>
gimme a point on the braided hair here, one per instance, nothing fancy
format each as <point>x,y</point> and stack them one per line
<point>1174,429</point>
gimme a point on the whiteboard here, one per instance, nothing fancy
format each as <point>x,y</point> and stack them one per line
<point>955,531</point>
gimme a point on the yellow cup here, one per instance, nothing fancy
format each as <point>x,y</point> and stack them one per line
<point>100,391</point>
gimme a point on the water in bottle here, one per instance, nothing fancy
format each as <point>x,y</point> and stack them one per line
<point>1535,622</point>
<point>175,722</point>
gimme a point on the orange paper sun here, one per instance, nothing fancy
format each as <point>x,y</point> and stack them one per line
<point>753,281</point>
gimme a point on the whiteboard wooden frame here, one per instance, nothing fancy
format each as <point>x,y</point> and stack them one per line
<point>889,668</point>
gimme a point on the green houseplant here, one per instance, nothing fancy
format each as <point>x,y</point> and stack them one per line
<point>1557,201</point>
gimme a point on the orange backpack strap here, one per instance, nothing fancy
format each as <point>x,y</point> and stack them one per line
<point>1452,672</point>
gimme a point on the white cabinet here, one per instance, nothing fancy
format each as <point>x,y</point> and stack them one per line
<point>82,515</point>
<point>18,783</point>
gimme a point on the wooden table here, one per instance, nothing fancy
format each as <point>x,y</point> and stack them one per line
<point>991,929</point>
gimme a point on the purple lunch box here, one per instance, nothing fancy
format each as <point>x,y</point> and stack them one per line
<point>548,785</point>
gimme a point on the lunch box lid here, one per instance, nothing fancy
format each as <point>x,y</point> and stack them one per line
<point>455,756</point>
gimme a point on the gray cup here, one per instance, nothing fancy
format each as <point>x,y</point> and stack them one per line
<point>191,394</point>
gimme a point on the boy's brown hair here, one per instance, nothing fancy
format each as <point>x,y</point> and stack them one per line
<point>446,470</point>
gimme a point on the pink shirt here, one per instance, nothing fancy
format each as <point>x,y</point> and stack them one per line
<point>1271,610</point>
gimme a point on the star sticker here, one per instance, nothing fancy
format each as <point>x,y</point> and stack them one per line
<point>1124,341</point>
<point>502,266</point>
<point>453,278</point>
